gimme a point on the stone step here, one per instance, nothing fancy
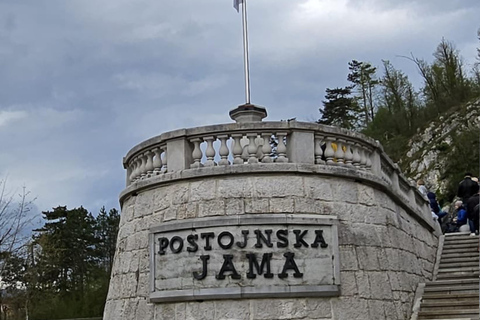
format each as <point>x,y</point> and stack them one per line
<point>454,318</point>
<point>471,246</point>
<point>455,286</point>
<point>465,236</point>
<point>459,255</point>
<point>462,250</point>
<point>443,296</point>
<point>457,235</point>
<point>458,259</point>
<point>457,275</point>
<point>471,303</point>
<point>456,243</point>
<point>460,240</point>
<point>449,314</point>
<point>455,293</point>
<point>446,290</point>
<point>459,264</point>
<point>463,269</point>
<point>469,280</point>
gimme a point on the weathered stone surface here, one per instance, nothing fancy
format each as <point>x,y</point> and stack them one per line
<point>256,205</point>
<point>318,309</point>
<point>234,207</point>
<point>235,188</point>
<point>203,190</point>
<point>376,309</point>
<point>367,258</point>
<point>276,187</point>
<point>180,193</point>
<point>357,308</point>
<point>345,191</point>
<point>320,189</point>
<point>348,258</point>
<point>349,283</point>
<point>164,311</point>
<point>145,310</point>
<point>363,285</point>
<point>366,195</point>
<point>225,310</point>
<point>281,205</point>
<point>379,286</point>
<point>200,310</point>
<point>307,205</point>
<point>211,208</point>
<point>162,198</point>
<point>143,204</point>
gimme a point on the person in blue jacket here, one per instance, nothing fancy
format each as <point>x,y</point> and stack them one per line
<point>461,214</point>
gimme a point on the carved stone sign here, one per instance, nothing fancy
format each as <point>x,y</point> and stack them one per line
<point>247,256</point>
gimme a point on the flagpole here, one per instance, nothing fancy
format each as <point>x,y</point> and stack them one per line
<point>245,52</point>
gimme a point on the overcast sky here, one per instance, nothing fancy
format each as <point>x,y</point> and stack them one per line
<point>83,81</point>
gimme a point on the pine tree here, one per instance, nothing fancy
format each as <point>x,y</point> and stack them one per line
<point>339,109</point>
<point>362,76</point>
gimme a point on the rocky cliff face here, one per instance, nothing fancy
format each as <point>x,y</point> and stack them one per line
<point>431,148</point>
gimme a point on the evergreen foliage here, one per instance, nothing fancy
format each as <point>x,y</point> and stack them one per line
<point>363,77</point>
<point>339,109</point>
<point>65,270</point>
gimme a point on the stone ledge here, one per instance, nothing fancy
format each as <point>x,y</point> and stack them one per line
<point>246,293</point>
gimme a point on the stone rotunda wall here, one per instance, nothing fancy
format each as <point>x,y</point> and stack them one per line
<point>381,237</point>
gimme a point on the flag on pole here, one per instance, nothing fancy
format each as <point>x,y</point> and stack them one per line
<point>236,4</point>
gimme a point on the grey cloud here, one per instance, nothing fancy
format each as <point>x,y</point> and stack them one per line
<point>98,77</point>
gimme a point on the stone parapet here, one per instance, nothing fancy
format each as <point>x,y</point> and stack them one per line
<point>264,143</point>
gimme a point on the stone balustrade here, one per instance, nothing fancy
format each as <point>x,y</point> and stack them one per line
<point>263,144</point>
<point>250,144</point>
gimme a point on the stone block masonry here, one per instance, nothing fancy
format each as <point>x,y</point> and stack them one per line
<point>384,249</point>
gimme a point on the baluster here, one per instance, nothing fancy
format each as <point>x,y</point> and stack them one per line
<point>157,161</point>
<point>363,158</point>
<point>318,149</point>
<point>266,148</point>
<point>133,166</point>
<point>237,149</point>
<point>138,169</point>
<point>368,163</point>
<point>281,148</point>
<point>329,152</point>
<point>223,151</point>
<point>259,144</point>
<point>252,148</point>
<point>245,154</point>
<point>165,158</point>
<point>340,154</point>
<point>348,153</point>
<point>143,166</point>
<point>356,155</point>
<point>149,165</point>
<point>210,151</point>
<point>196,154</point>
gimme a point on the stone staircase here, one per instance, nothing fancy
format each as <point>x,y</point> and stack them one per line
<point>453,294</point>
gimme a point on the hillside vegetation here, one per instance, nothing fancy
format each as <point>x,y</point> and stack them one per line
<point>432,132</point>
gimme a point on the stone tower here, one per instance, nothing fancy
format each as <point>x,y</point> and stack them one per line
<point>268,220</point>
